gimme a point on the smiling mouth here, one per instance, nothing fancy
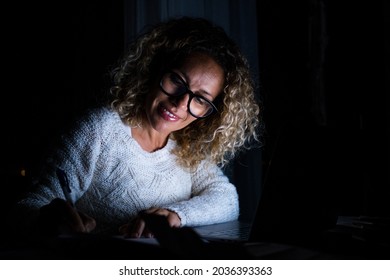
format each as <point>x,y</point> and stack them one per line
<point>167,115</point>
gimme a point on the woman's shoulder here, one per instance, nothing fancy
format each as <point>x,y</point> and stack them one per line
<point>102,115</point>
<point>94,119</point>
<point>100,112</point>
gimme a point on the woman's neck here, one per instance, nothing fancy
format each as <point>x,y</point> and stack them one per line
<point>149,139</point>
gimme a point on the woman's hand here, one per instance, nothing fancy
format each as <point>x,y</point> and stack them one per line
<point>60,217</point>
<point>137,227</point>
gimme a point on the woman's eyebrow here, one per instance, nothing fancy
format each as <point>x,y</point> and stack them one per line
<point>204,92</point>
<point>186,78</point>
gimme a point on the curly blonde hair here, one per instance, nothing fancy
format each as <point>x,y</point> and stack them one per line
<point>219,136</point>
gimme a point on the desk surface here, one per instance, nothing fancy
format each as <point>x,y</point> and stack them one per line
<point>339,243</point>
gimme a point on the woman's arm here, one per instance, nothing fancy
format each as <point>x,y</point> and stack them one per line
<point>214,199</point>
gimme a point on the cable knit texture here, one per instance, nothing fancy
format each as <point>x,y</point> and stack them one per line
<point>112,178</point>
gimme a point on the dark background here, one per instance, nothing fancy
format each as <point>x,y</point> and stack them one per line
<point>332,87</point>
<point>340,100</point>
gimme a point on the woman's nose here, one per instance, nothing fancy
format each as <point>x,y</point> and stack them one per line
<point>181,101</point>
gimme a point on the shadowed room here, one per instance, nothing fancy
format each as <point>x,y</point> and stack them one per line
<point>321,73</point>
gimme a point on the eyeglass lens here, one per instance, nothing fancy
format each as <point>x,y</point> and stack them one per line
<point>173,85</point>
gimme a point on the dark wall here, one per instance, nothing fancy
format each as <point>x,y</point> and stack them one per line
<point>58,55</point>
<point>323,68</point>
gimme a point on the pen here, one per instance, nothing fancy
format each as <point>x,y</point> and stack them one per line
<point>64,182</point>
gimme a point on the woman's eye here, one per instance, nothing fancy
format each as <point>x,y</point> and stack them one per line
<point>199,100</point>
<point>175,79</point>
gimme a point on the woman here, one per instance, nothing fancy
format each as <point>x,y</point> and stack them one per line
<point>181,106</point>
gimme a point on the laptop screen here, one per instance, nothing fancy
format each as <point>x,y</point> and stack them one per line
<point>311,179</point>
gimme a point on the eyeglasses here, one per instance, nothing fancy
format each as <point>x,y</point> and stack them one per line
<point>198,106</point>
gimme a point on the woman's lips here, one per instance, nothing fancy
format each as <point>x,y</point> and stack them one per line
<point>166,114</point>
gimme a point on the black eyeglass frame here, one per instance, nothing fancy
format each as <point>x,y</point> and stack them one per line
<point>192,95</point>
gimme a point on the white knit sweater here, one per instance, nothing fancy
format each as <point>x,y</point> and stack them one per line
<point>112,178</point>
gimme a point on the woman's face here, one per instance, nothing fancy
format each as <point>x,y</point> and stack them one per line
<point>203,76</point>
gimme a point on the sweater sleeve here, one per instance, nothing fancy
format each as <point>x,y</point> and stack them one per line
<point>76,153</point>
<point>214,199</point>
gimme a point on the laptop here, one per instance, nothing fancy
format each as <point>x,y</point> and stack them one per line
<point>299,196</point>
<point>228,231</point>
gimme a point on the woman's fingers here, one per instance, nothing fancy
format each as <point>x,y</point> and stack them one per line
<point>172,218</point>
<point>134,229</point>
<point>89,222</point>
<point>138,226</point>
